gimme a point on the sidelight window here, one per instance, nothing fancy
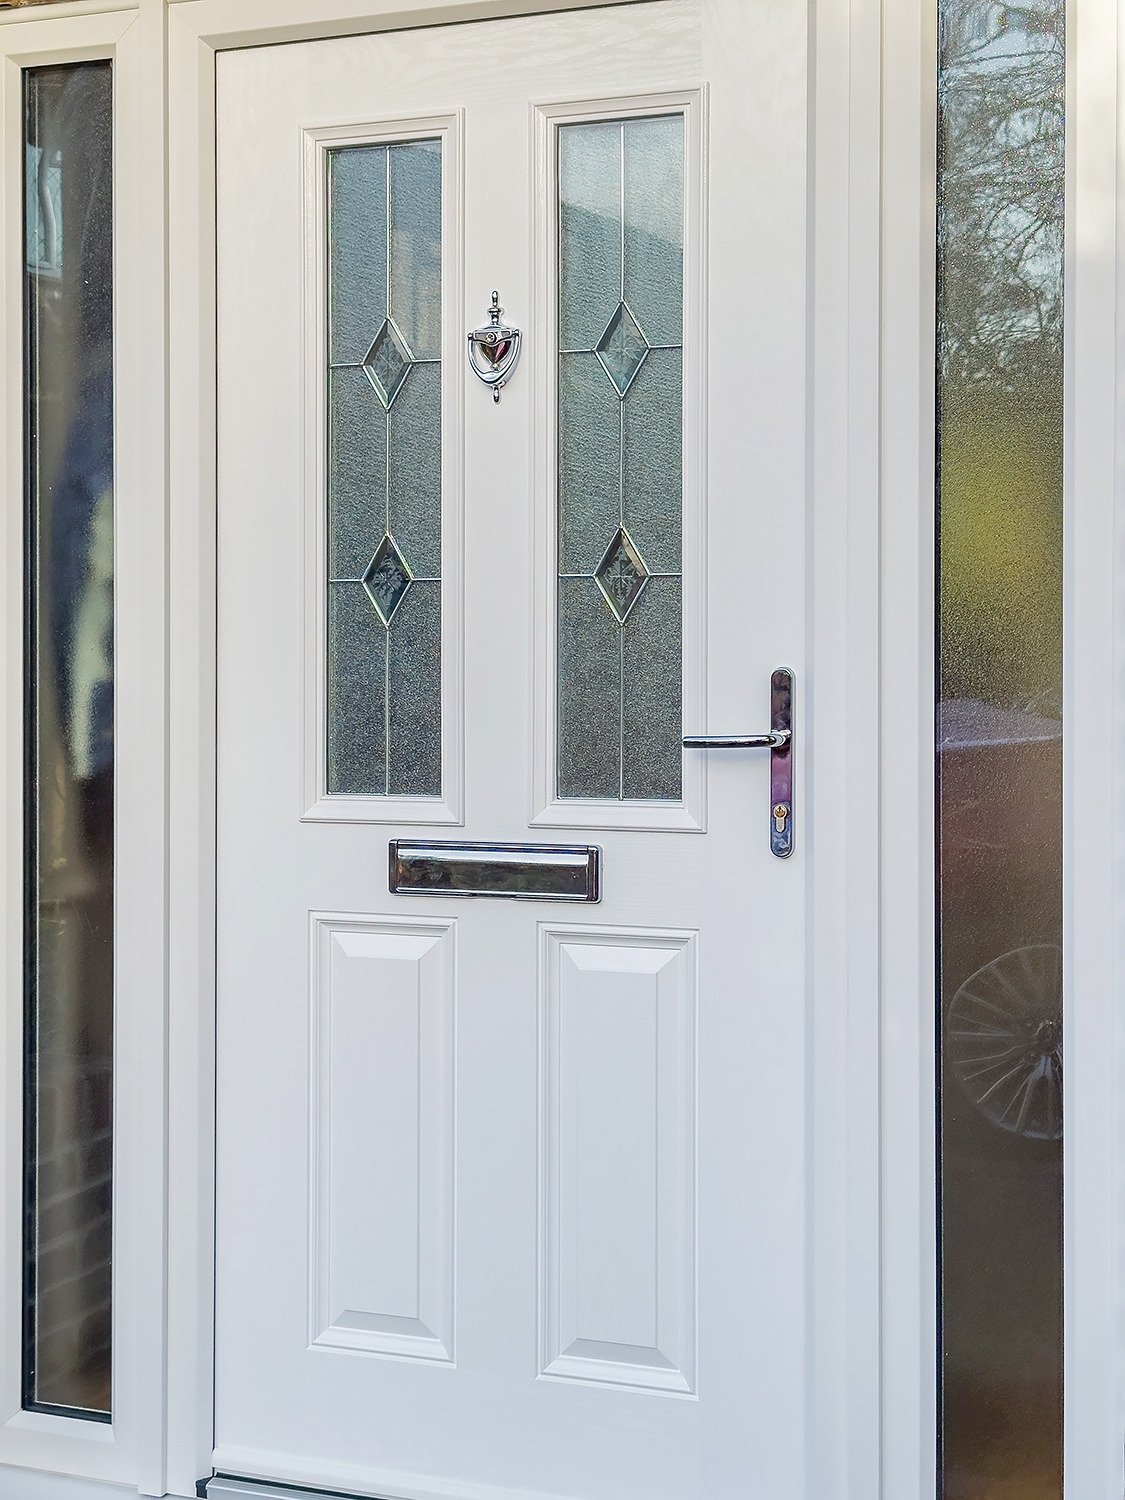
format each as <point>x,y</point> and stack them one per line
<point>69,744</point>
<point>999,746</point>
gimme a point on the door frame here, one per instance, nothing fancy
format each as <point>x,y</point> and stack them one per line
<point>132,36</point>
<point>870,1129</point>
<point>897,105</point>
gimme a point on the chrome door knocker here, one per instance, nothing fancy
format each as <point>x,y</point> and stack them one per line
<point>494,350</point>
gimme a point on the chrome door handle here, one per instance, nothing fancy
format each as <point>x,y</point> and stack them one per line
<point>779,742</point>
<point>772,741</point>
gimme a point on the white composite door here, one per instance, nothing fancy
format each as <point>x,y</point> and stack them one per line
<point>511,1192</point>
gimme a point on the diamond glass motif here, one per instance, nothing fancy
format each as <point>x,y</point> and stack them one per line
<point>387,579</point>
<point>622,348</point>
<point>621,575</point>
<point>387,363</point>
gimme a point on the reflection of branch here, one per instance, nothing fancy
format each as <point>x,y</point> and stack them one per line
<point>1000,212</point>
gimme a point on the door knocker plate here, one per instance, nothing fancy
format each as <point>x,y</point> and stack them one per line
<point>494,350</point>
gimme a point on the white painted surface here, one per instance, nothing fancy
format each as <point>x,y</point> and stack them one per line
<point>869,1105</point>
<point>381,1123</point>
<point>28,1484</point>
<point>628,1234</point>
<point>618,1168</point>
<point>131,1449</point>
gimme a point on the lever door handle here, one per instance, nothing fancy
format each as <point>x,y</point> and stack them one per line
<point>779,742</point>
<point>772,741</point>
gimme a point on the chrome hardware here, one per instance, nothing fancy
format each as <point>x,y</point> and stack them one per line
<point>494,350</point>
<point>529,872</point>
<point>779,742</point>
<point>772,741</point>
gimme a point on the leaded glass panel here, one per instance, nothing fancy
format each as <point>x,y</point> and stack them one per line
<point>620,467</point>
<point>384,470</point>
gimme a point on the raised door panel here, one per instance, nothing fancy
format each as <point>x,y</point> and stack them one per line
<point>618,1025</point>
<point>382,1125</point>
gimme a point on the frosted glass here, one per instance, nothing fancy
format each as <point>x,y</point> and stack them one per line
<point>589,462</point>
<point>384,471</point>
<point>589,693</point>
<point>651,707</point>
<point>357,675</point>
<point>357,240</point>
<point>1000,745</point>
<point>620,458</point>
<point>652,455</point>
<point>654,226</point>
<point>357,463</point>
<point>415,471</point>
<point>589,231</point>
<point>416,245</point>
<point>414,697</point>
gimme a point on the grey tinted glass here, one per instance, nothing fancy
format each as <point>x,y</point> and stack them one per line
<point>999,747</point>
<point>384,470</point>
<point>620,465</point>
<point>69,778</point>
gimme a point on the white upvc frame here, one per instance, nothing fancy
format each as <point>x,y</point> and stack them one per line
<point>1093,754</point>
<point>548,810</point>
<point>870,963</point>
<point>846,1270</point>
<point>883,405</point>
<point>902,278</point>
<point>317,806</point>
<point>129,1449</point>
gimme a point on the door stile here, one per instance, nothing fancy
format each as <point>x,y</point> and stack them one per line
<point>907,581</point>
<point>845,727</point>
<point>144,636</point>
<point>1093,807</point>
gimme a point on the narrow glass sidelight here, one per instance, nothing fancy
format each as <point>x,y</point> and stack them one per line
<point>384,470</point>
<point>69,743</point>
<point>620,464</point>
<point>999,748</point>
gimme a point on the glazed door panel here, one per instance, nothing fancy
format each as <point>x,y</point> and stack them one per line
<point>510,1192</point>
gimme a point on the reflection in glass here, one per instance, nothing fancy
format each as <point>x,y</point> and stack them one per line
<point>384,470</point>
<point>68,139</point>
<point>999,740</point>
<point>620,466</point>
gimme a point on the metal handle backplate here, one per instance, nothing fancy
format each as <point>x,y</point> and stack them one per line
<point>779,742</point>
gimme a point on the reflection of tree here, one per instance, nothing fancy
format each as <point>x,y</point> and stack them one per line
<point>1001,96</point>
<point>1000,372</point>
<point>1001,206</point>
